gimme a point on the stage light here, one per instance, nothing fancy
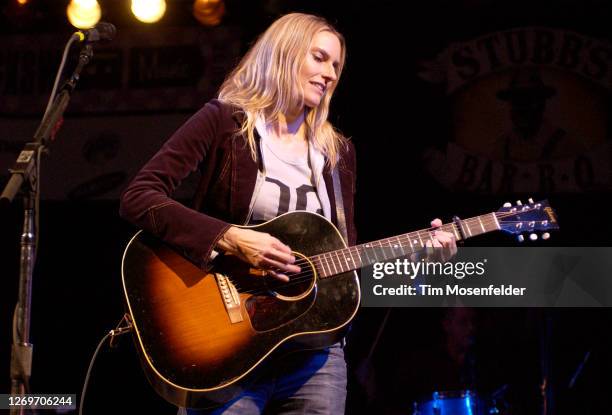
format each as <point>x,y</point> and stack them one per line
<point>208,12</point>
<point>148,11</point>
<point>83,14</point>
<point>22,2</point>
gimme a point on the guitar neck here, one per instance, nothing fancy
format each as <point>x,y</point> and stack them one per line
<point>355,257</point>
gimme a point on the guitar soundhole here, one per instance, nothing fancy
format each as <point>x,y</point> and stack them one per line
<point>299,285</point>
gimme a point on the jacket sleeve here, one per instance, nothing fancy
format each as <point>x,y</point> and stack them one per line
<point>147,202</point>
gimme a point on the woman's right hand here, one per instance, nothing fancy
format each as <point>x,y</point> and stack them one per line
<point>261,250</point>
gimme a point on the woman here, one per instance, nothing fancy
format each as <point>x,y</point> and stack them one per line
<point>263,148</point>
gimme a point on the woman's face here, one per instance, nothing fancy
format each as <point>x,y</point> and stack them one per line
<point>320,67</point>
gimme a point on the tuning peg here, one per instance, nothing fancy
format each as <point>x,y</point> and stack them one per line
<point>533,237</point>
<point>507,205</point>
<point>530,200</point>
<point>519,203</point>
<point>545,235</point>
<point>520,238</point>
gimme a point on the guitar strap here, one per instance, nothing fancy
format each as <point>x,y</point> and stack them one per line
<point>339,204</point>
<point>340,216</point>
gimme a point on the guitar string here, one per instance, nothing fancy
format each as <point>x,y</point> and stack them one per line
<point>386,243</point>
<point>416,234</point>
<point>308,274</point>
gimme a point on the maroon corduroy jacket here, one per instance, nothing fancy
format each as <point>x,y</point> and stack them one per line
<point>208,142</point>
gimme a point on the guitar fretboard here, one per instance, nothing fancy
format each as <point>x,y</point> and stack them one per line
<point>348,259</point>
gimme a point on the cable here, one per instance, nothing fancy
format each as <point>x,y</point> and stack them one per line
<point>116,332</point>
<point>93,359</point>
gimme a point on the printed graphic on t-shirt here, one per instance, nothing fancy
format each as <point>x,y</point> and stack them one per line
<point>276,198</point>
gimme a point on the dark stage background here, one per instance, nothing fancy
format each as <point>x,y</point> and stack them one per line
<point>402,119</point>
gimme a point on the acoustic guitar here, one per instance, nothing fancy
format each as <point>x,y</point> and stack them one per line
<point>202,336</point>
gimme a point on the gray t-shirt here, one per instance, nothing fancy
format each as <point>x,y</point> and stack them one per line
<point>289,183</point>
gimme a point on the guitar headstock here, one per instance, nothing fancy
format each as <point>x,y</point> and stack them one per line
<point>527,218</point>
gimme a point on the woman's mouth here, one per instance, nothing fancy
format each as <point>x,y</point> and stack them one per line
<point>319,86</point>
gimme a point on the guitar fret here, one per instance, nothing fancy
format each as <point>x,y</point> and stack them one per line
<point>345,260</point>
<point>381,252</point>
<point>319,266</point>
<point>323,265</point>
<point>355,264</point>
<point>339,261</point>
<point>329,263</point>
<point>390,249</point>
<point>384,248</point>
<point>329,258</point>
<point>348,258</point>
<point>466,228</point>
<point>495,221</point>
<point>373,251</point>
<point>365,251</point>
<point>456,232</point>
<point>410,241</point>
<point>359,256</point>
<point>469,227</point>
<point>399,244</point>
<point>394,246</point>
<point>481,224</point>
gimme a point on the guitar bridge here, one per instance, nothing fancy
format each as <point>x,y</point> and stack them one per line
<point>230,298</point>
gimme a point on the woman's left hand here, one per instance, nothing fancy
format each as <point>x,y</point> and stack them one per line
<point>444,242</point>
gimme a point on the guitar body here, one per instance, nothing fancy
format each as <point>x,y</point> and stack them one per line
<point>203,336</point>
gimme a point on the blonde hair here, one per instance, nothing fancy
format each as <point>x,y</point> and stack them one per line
<point>266,81</point>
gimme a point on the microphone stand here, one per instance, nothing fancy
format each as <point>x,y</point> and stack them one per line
<point>26,171</point>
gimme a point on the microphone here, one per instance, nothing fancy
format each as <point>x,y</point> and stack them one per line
<point>103,31</point>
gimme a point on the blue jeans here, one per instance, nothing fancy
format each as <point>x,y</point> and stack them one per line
<point>308,382</point>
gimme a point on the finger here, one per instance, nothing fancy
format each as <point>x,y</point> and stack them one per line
<point>278,276</point>
<point>438,239</point>
<point>451,235</point>
<point>284,257</point>
<point>442,241</point>
<point>270,263</point>
<point>280,246</point>
<point>445,238</point>
<point>436,223</point>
